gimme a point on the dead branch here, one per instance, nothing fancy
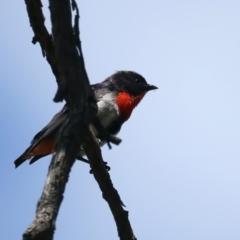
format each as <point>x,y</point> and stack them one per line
<point>66,61</point>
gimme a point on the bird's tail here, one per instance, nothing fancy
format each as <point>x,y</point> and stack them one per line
<point>22,158</point>
<point>36,151</point>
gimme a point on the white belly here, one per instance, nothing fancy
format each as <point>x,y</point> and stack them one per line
<point>107,112</point>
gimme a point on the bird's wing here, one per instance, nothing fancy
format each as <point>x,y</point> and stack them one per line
<point>52,126</point>
<point>44,141</point>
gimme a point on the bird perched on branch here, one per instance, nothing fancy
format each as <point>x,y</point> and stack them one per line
<point>116,98</point>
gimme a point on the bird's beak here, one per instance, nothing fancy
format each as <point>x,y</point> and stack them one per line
<point>149,87</point>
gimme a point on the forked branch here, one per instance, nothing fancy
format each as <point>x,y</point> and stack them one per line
<point>67,63</point>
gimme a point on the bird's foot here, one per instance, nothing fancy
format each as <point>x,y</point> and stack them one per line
<point>106,166</point>
<point>86,161</point>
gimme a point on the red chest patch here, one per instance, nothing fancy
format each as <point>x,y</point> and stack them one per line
<point>126,103</point>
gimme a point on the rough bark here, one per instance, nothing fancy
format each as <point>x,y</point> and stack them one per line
<point>74,87</point>
<point>109,193</point>
<point>66,60</point>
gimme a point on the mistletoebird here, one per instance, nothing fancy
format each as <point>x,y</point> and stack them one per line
<point>116,98</point>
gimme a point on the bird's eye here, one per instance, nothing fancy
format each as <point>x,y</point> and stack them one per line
<point>137,81</point>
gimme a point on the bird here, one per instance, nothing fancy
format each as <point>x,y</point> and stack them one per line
<point>116,98</point>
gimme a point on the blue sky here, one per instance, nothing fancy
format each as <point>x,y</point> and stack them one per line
<point>178,167</point>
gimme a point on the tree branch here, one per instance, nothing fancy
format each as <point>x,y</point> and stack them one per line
<point>75,88</point>
<point>110,194</point>
<point>41,35</point>
<point>68,66</point>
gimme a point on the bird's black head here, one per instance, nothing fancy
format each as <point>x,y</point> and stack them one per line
<point>129,82</point>
<point>126,88</point>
